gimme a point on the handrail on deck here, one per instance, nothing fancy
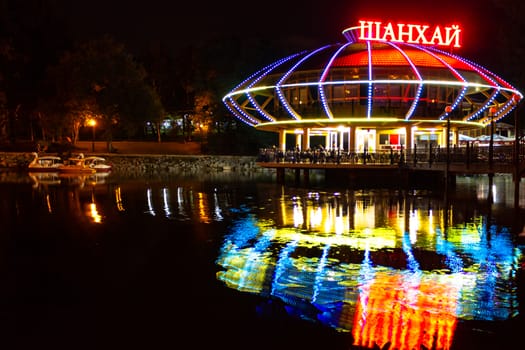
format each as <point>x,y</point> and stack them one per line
<point>476,159</point>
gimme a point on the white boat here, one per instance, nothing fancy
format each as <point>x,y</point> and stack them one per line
<point>100,164</point>
<point>44,163</point>
<point>76,165</point>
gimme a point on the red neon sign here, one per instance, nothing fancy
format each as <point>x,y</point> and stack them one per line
<point>410,33</point>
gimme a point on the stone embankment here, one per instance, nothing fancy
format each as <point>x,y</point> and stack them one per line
<point>149,165</point>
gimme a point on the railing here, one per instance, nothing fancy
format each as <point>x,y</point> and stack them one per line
<point>503,157</point>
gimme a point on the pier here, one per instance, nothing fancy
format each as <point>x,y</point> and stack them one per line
<point>405,168</point>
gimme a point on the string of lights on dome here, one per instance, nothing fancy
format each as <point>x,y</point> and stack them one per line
<point>360,78</point>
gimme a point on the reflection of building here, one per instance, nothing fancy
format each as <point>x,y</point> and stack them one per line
<point>378,266</point>
<point>381,89</point>
<point>419,313</point>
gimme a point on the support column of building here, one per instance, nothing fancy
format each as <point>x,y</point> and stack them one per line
<point>408,150</point>
<point>517,160</point>
<point>282,140</point>
<point>408,138</point>
<point>298,138</point>
<point>306,139</point>
<point>351,140</point>
<point>305,146</point>
<point>443,137</point>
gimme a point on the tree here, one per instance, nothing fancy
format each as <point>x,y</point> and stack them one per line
<point>5,49</point>
<point>31,34</point>
<point>162,71</point>
<point>99,78</point>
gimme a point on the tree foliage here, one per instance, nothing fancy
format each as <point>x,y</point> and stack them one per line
<point>99,79</point>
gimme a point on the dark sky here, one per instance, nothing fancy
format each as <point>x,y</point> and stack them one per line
<point>309,24</point>
<point>322,21</point>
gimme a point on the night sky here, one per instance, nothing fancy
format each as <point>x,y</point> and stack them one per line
<point>52,26</point>
<point>219,43</point>
<point>176,23</point>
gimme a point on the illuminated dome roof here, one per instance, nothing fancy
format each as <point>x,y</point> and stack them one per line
<point>374,82</point>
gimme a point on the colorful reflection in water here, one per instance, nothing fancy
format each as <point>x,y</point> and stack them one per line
<point>185,203</point>
<point>394,269</point>
<point>83,198</point>
<point>397,271</point>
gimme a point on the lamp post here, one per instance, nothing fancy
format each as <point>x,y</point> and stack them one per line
<point>93,123</point>
<point>517,175</point>
<point>492,111</point>
<point>448,109</point>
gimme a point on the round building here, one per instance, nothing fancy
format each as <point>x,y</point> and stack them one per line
<point>387,86</point>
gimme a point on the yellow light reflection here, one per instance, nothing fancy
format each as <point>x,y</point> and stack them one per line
<point>349,217</point>
<point>93,212</point>
<point>246,270</point>
<point>431,223</point>
<point>203,207</point>
<point>365,215</point>
<point>373,239</point>
<point>468,234</point>
<point>341,217</point>
<point>382,305</point>
<point>297,215</point>
<point>118,199</point>
<point>316,217</point>
<point>339,225</point>
<point>48,203</point>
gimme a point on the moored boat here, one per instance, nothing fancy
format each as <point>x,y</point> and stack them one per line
<point>76,165</point>
<point>100,164</point>
<point>44,163</point>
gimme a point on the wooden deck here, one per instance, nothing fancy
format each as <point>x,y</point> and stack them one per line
<point>454,168</point>
<point>405,174</point>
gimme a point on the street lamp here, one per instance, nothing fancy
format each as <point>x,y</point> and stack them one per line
<point>448,109</point>
<point>93,123</point>
<point>515,101</point>
<point>517,175</point>
<point>492,112</point>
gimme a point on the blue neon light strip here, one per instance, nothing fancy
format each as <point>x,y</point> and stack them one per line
<point>322,95</point>
<point>234,107</point>
<point>320,273</point>
<point>460,96</point>
<point>496,85</point>
<point>265,73</point>
<point>483,72</point>
<point>240,113</point>
<point>279,84</point>
<point>377,81</point>
<point>283,261</point>
<point>420,86</point>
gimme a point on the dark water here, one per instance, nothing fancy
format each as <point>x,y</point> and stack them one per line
<point>244,263</point>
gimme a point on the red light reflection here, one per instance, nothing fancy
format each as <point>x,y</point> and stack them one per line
<point>405,315</point>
